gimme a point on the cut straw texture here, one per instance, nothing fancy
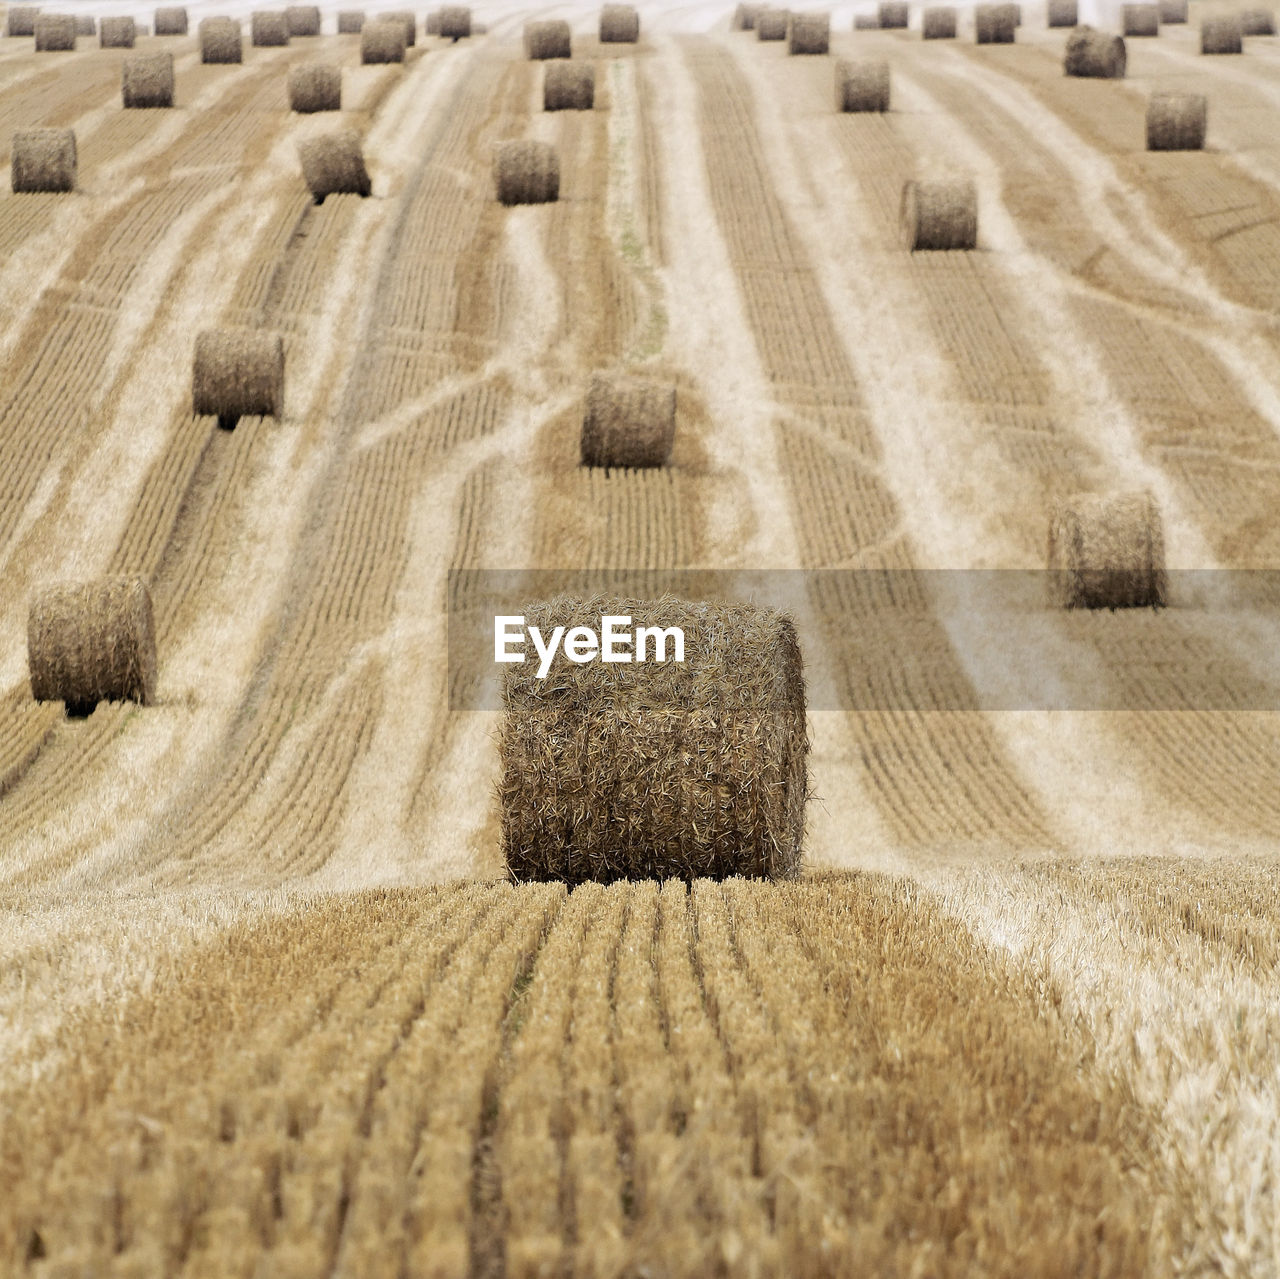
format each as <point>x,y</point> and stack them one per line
<point>55,33</point>
<point>1140,19</point>
<point>302,20</point>
<point>382,42</point>
<point>147,80</point>
<point>221,40</point>
<point>1172,11</point>
<point>568,86</point>
<point>1095,55</point>
<point>938,22</point>
<point>892,14</point>
<point>91,642</point>
<point>117,33</point>
<point>940,214</point>
<point>1063,13</point>
<point>454,22</point>
<point>1107,552</point>
<point>350,22</point>
<point>170,21</point>
<point>994,24</point>
<point>20,20</point>
<point>268,28</point>
<point>862,85</point>
<point>1257,22</point>
<point>744,17</point>
<point>406,18</point>
<point>628,422</point>
<point>1222,33</point>
<point>526,172</point>
<point>315,87</point>
<point>771,24</point>
<point>333,164</point>
<point>809,33</point>
<point>550,39</point>
<point>43,160</point>
<point>619,24</point>
<point>1177,121</point>
<point>656,770</point>
<point>237,373</point>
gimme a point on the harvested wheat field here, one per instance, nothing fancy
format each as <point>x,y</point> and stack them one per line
<point>913,913</point>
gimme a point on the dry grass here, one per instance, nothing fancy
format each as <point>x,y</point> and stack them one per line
<point>302,19</point>
<point>1140,19</point>
<point>568,86</point>
<point>43,160</point>
<point>170,21</point>
<point>1107,552</point>
<point>55,32</point>
<point>938,22</point>
<point>547,39</point>
<point>117,33</point>
<point>526,172</point>
<point>1063,13</point>
<point>863,85</point>
<point>1177,121</point>
<point>315,87</point>
<point>619,24</point>
<point>994,24</point>
<point>268,28</point>
<point>220,40</point>
<point>1095,54</point>
<point>1221,33</point>
<point>20,20</point>
<point>237,374</point>
<point>382,42</point>
<point>333,164</point>
<point>147,80</point>
<point>350,22</point>
<point>940,214</point>
<point>809,33</point>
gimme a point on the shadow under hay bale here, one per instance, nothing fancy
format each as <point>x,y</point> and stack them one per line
<point>1095,55</point>
<point>147,80</point>
<point>628,422</point>
<point>302,20</point>
<point>994,24</point>
<point>170,21</point>
<point>1177,121</point>
<point>1222,33</point>
<point>315,88</point>
<point>744,17</point>
<point>940,214</point>
<point>221,41</point>
<point>892,15</point>
<point>619,24</point>
<point>350,22</point>
<point>237,373</point>
<point>20,20</point>
<point>268,29</point>
<point>43,160</point>
<point>526,172</point>
<point>568,86</point>
<point>1107,552</point>
<point>91,642</point>
<point>454,22</point>
<point>406,18</point>
<point>810,33</point>
<point>657,769</point>
<point>938,22</point>
<point>1063,13</point>
<point>117,33</point>
<point>545,40</point>
<point>334,165</point>
<point>382,42</point>
<point>1172,11</point>
<point>1140,20</point>
<point>1257,22</point>
<point>862,86</point>
<point>85,25</point>
<point>55,33</point>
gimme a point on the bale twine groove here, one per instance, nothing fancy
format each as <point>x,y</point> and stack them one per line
<point>892,14</point>
<point>568,86</point>
<point>619,24</point>
<point>220,40</point>
<point>454,22</point>
<point>744,17</point>
<point>657,769</point>
<point>43,160</point>
<point>1222,33</point>
<point>350,22</point>
<point>406,18</point>
<point>862,86</point>
<point>20,20</point>
<point>628,422</point>
<point>771,24</point>
<point>994,24</point>
<point>1095,54</point>
<point>268,28</point>
<point>1107,552</point>
<point>810,33</point>
<point>1172,11</point>
<point>940,214</point>
<point>1140,19</point>
<point>382,42</point>
<point>1257,22</point>
<point>938,22</point>
<point>302,20</point>
<point>147,80</point>
<point>544,40</point>
<point>117,33</point>
<point>91,642</point>
<point>55,32</point>
<point>315,88</point>
<point>237,373</point>
<point>1177,121</point>
<point>85,25</point>
<point>334,165</point>
<point>526,172</point>
<point>170,21</point>
<point>1063,13</point>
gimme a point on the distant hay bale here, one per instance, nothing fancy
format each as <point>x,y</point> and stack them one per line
<point>619,24</point>
<point>771,24</point>
<point>20,20</point>
<point>268,28</point>
<point>893,14</point>
<point>116,33</point>
<point>1107,552</point>
<point>862,86</point>
<point>938,22</point>
<point>940,214</point>
<point>43,160</point>
<point>1177,121</point>
<point>55,32</point>
<point>237,373</point>
<point>333,164</point>
<point>526,172</point>
<point>147,80</point>
<point>1140,19</point>
<point>350,22</point>
<point>744,17</point>
<point>455,22</point>
<point>432,24</point>
<point>629,422</point>
<point>656,769</point>
<point>866,22</point>
<point>550,39</point>
<point>1095,54</point>
<point>220,40</point>
<point>170,21</point>
<point>1063,13</point>
<point>382,42</point>
<point>568,86</point>
<point>407,19</point>
<point>994,24</point>
<point>1173,11</point>
<point>1257,22</point>
<point>85,25</point>
<point>91,642</point>
<point>810,33</point>
<point>302,20</point>
<point>315,88</point>
<point>1222,33</point>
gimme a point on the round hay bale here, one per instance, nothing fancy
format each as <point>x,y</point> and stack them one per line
<point>1107,552</point>
<point>619,24</point>
<point>350,22</point>
<point>432,24</point>
<point>406,18</point>
<point>1177,121</point>
<point>91,642</point>
<point>1257,22</point>
<point>20,20</point>
<point>1140,19</point>
<point>994,24</point>
<point>526,172</point>
<point>315,88</point>
<point>116,33</point>
<point>544,40</point>
<point>170,21</point>
<point>1063,13</point>
<point>302,20</point>
<point>237,373</point>
<point>938,22</point>
<point>810,33</point>
<point>55,32</point>
<point>85,25</point>
<point>893,14</point>
<point>744,17</point>
<point>334,165</point>
<point>629,422</point>
<point>1095,54</point>
<point>771,24</point>
<point>220,40</point>
<point>866,22</point>
<point>862,86</point>
<point>43,160</point>
<point>657,769</point>
<point>268,28</point>
<point>568,86</point>
<point>382,42</point>
<point>1222,33</point>
<point>147,80</point>
<point>940,214</point>
<point>1172,11</point>
<point>455,22</point>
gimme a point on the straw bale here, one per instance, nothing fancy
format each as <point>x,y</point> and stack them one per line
<point>43,160</point>
<point>744,17</point>
<point>117,33</point>
<point>170,21</point>
<point>810,33</point>
<point>1222,33</point>
<point>862,86</point>
<point>382,42</point>
<point>1173,11</point>
<point>315,87</point>
<point>893,14</point>
<point>406,18</point>
<point>268,28</point>
<point>1177,121</point>
<point>20,20</point>
<point>1257,22</point>
<point>333,164</point>
<point>220,40</point>
<point>940,214</point>
<point>771,24</point>
<point>55,32</point>
<point>302,20</point>
<point>1095,54</point>
<point>350,22</point>
<point>628,422</point>
<point>619,24</point>
<point>938,22</point>
<point>237,373</point>
<point>994,24</point>
<point>568,86</point>
<point>526,172</point>
<point>454,22</point>
<point>1107,552</point>
<point>1140,19</point>
<point>147,80</point>
<point>1064,13</point>
<point>550,39</point>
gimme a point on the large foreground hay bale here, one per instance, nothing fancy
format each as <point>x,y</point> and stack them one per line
<point>940,214</point>
<point>1172,11</point>
<point>302,20</point>
<point>628,422</point>
<point>315,88</point>
<point>43,160</point>
<point>406,18</point>
<point>545,40</point>
<point>237,373</point>
<point>771,24</point>
<point>334,165</point>
<point>170,21</point>
<point>862,86</point>
<point>1063,13</point>
<point>55,32</point>
<point>220,40</point>
<point>117,33</point>
<point>1257,22</point>
<point>619,24</point>
<point>350,22</point>
<point>810,33</point>
<point>1140,19</point>
<point>938,22</point>
<point>994,24</point>
<point>744,17</point>
<point>568,86</point>
<point>892,14</point>
<point>1177,121</point>
<point>455,22</point>
<point>1095,54</point>
<point>147,80</point>
<point>382,42</point>
<point>268,28</point>
<point>526,172</point>
<point>85,25</point>
<point>91,642</point>
<point>1107,552</point>
<point>1222,33</point>
<point>20,20</point>
<point>657,769</point>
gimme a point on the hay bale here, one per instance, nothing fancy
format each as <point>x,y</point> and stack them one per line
<point>1140,19</point>
<point>810,33</point>
<point>315,88</point>
<point>147,80</point>
<point>938,22</point>
<point>85,25</point>
<point>1094,54</point>
<point>1257,22</point>
<point>170,21</point>
<point>20,20</point>
<point>91,642</point>
<point>771,24</point>
<point>302,20</point>
<point>940,214</point>
<point>551,39</point>
<point>568,86</point>
<point>116,33</point>
<point>629,422</point>
<point>268,28</point>
<point>1177,121</point>
<point>220,40</point>
<point>334,165</point>
<point>406,19</point>
<point>432,24</point>
<point>237,373</point>
<point>1063,13</point>
<point>455,22</point>
<point>862,86</point>
<point>1107,552</point>
<point>619,24</point>
<point>892,14</point>
<point>55,33</point>
<point>526,172</point>
<point>382,42</point>
<point>1222,33</point>
<point>350,22</point>
<point>657,769</point>
<point>866,22</point>
<point>744,17</point>
<point>994,24</point>
<point>43,160</point>
<point>1173,11</point>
